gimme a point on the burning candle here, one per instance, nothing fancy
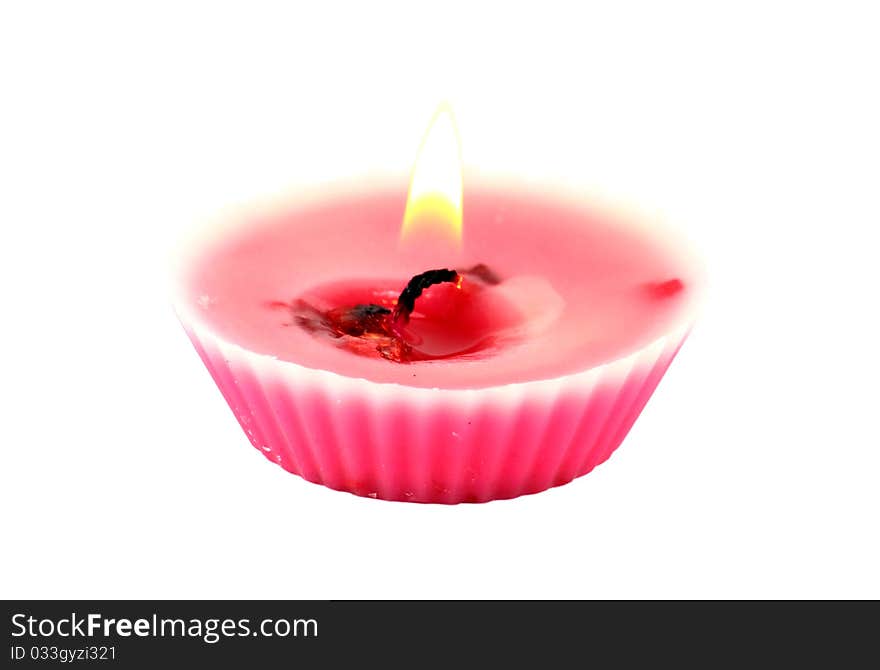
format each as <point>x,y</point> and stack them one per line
<point>438,345</point>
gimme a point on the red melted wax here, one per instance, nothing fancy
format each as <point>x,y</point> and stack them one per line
<point>458,318</point>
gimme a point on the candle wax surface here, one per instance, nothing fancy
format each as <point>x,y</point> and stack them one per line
<point>591,287</point>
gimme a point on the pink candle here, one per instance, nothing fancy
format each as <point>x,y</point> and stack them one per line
<point>510,383</point>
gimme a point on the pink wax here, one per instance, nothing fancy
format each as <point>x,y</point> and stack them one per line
<point>600,307</point>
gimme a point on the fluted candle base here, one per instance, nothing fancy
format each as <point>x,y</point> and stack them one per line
<point>434,445</point>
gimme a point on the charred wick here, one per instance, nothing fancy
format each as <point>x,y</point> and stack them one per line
<point>406,303</point>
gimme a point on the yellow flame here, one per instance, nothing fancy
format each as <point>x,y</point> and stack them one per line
<point>435,190</point>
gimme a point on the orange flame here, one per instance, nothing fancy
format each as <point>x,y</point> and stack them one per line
<point>434,202</point>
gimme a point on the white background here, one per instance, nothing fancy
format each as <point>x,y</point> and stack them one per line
<point>753,472</point>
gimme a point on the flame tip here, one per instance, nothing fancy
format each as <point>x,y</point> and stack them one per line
<point>436,187</point>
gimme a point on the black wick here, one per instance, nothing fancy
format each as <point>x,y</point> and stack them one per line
<point>406,302</point>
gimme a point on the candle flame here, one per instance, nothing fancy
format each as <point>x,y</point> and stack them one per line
<point>435,190</point>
